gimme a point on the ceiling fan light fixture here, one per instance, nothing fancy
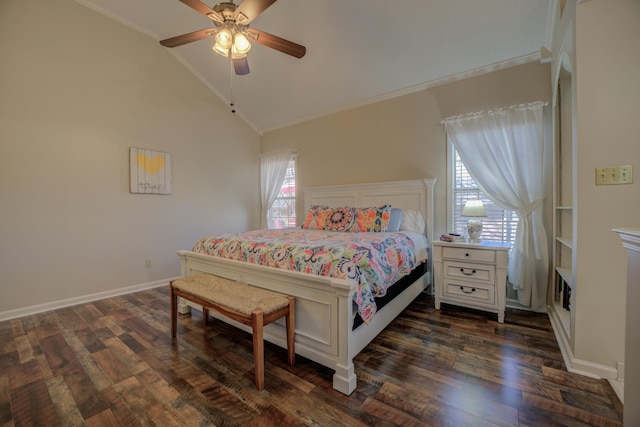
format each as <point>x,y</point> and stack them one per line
<point>224,38</point>
<point>237,55</point>
<point>220,50</point>
<point>241,44</point>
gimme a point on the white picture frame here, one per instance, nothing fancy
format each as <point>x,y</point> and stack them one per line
<point>150,171</point>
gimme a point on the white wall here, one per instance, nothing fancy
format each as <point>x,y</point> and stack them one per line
<point>76,91</point>
<point>606,71</point>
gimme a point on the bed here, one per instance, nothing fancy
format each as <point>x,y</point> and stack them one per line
<point>325,309</point>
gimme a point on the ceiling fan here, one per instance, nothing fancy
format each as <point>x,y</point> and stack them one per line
<point>232,33</point>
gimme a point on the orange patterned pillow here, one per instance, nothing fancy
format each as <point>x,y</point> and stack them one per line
<point>372,219</point>
<point>316,217</point>
<point>339,219</point>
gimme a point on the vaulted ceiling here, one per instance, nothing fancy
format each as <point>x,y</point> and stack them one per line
<point>358,51</point>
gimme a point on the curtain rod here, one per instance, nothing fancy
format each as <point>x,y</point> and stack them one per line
<point>499,110</point>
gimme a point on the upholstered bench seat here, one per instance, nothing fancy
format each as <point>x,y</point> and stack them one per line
<point>249,305</point>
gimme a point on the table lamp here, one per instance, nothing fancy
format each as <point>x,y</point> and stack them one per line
<point>474,209</point>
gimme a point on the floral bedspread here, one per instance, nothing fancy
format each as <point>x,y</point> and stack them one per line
<point>373,260</point>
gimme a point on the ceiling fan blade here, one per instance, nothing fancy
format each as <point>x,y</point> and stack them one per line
<point>241,66</point>
<point>277,43</point>
<point>202,8</point>
<point>189,37</point>
<point>250,9</point>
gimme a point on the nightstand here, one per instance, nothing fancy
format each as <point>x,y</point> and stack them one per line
<point>472,275</point>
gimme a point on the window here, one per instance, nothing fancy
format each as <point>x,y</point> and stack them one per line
<point>499,225</point>
<point>283,211</point>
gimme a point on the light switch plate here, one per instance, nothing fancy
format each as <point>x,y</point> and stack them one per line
<point>614,175</point>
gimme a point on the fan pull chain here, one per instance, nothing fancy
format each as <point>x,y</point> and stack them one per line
<point>233,109</point>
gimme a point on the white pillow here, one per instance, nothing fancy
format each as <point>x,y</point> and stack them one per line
<point>412,221</point>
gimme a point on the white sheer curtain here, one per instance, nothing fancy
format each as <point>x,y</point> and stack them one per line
<point>503,150</point>
<point>273,168</point>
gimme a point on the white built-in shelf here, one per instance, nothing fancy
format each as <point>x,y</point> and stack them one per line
<point>564,213</point>
<point>567,241</point>
<point>565,273</point>
<point>564,316</point>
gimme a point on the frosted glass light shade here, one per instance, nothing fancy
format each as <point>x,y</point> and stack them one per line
<point>220,50</point>
<point>224,38</point>
<point>241,44</point>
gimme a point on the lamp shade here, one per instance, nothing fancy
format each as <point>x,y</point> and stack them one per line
<point>474,208</point>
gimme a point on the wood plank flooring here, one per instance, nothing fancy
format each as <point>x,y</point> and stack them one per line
<point>112,363</point>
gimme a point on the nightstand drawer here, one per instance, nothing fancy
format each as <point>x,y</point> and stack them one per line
<point>467,271</point>
<point>465,254</point>
<point>482,294</point>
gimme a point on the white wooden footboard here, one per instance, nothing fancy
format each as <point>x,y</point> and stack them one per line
<point>324,311</point>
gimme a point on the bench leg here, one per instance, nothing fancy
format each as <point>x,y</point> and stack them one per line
<point>290,322</point>
<point>174,312</point>
<point>257,324</point>
<point>205,316</point>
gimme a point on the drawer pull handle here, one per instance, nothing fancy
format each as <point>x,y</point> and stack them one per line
<point>466,254</point>
<point>468,274</point>
<point>462,288</point>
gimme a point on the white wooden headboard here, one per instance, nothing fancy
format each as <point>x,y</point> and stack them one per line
<point>415,194</point>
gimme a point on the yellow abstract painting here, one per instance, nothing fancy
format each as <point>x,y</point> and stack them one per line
<point>150,171</point>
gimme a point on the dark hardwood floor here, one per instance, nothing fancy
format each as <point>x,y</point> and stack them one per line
<point>113,363</point>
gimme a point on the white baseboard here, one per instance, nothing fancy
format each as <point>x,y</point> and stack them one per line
<point>583,367</point>
<point>593,370</point>
<point>618,387</point>
<point>40,308</point>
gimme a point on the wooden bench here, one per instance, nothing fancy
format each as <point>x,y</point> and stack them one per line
<point>249,305</point>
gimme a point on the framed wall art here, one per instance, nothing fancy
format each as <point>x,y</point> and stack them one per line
<point>150,171</point>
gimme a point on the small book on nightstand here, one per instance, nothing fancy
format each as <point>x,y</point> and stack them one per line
<point>452,237</point>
